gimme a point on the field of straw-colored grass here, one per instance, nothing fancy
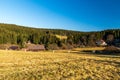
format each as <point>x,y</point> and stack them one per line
<point>60,65</point>
<point>90,48</point>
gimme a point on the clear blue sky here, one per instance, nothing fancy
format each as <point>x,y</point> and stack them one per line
<point>80,15</point>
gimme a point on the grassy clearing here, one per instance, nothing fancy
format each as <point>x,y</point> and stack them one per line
<point>61,37</point>
<point>18,65</point>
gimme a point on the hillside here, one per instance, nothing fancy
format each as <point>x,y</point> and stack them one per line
<point>15,34</point>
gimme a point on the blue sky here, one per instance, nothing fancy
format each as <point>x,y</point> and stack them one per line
<point>80,15</point>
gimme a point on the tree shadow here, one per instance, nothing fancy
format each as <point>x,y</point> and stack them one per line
<point>116,64</point>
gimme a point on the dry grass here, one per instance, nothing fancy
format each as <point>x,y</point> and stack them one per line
<point>18,65</point>
<point>90,48</point>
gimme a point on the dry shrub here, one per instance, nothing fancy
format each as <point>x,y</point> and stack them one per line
<point>64,46</point>
<point>53,47</point>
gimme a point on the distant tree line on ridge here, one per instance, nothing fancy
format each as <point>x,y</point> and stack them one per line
<point>20,35</point>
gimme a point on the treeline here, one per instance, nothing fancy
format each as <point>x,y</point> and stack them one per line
<point>20,35</point>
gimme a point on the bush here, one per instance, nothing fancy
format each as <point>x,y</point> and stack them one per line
<point>53,47</point>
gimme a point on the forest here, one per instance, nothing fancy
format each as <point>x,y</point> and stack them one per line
<point>20,35</point>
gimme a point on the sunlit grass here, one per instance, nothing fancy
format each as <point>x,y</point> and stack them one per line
<point>90,48</point>
<point>46,65</point>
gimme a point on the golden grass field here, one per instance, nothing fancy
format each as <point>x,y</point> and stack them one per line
<point>60,65</point>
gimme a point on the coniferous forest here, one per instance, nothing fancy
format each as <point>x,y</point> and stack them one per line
<point>55,38</point>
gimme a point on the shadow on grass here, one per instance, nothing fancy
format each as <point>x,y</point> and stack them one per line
<point>117,64</point>
<point>104,53</point>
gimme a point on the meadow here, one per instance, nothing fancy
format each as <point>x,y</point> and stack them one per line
<point>60,65</point>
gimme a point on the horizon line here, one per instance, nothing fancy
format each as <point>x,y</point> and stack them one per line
<point>27,26</point>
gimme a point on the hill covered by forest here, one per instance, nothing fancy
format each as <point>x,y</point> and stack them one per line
<point>55,38</point>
